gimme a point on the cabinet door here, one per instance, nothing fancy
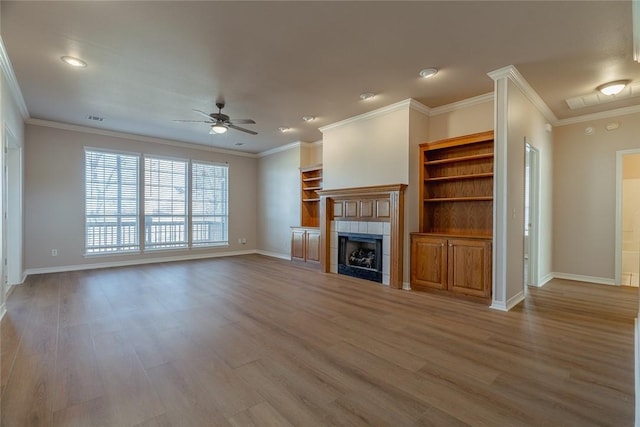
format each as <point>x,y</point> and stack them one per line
<point>470,267</point>
<point>297,244</point>
<point>428,262</point>
<point>313,246</point>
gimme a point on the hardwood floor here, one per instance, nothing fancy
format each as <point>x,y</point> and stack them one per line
<point>251,340</point>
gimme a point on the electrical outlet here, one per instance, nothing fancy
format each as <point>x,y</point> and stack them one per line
<point>54,252</point>
<point>243,240</point>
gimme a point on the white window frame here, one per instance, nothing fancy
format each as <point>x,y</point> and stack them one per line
<point>217,220</point>
<point>119,248</point>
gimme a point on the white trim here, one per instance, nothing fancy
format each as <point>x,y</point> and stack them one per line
<point>514,75</point>
<point>618,209</point>
<point>407,103</point>
<point>581,278</point>
<point>546,279</point>
<point>406,286</point>
<point>12,82</point>
<point>274,255</point>
<point>110,264</point>
<point>3,310</point>
<point>598,116</point>
<point>133,137</point>
<point>509,304</point>
<point>465,103</point>
<point>500,216</point>
<point>280,149</point>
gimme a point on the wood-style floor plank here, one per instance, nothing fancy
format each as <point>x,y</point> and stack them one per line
<point>257,341</point>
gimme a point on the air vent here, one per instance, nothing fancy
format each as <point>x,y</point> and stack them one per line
<point>94,118</point>
<point>597,98</point>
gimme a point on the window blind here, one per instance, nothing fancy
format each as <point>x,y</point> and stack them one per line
<point>165,203</point>
<point>111,202</point>
<point>209,204</point>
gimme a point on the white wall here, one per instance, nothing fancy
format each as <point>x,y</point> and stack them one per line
<point>525,121</point>
<point>11,122</point>
<point>584,195</point>
<point>54,196</point>
<point>462,121</point>
<point>278,200</point>
<point>368,151</point>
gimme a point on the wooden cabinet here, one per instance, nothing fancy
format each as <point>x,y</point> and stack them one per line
<point>452,252</point>
<point>458,265</point>
<point>305,244</point>
<point>310,184</point>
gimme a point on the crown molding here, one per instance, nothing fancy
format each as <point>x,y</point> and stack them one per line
<point>420,107</point>
<point>134,137</point>
<point>12,82</point>
<point>407,103</point>
<point>280,149</point>
<point>598,116</point>
<point>510,72</point>
<point>465,103</point>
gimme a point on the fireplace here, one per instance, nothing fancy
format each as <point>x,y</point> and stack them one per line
<point>360,255</point>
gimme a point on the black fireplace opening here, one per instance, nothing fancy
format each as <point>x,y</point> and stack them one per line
<point>360,255</point>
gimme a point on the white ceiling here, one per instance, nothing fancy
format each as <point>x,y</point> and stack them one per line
<point>152,62</point>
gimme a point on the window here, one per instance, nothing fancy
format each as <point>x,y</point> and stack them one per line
<point>165,203</point>
<point>209,201</point>
<point>111,202</point>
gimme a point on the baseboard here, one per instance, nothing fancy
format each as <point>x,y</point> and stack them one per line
<point>110,264</point>
<point>406,286</point>
<point>588,279</point>
<point>546,279</point>
<point>509,304</point>
<point>274,255</point>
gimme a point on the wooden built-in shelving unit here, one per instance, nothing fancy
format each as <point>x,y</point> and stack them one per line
<point>305,240</point>
<point>452,251</point>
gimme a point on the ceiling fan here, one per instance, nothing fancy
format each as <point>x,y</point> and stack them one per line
<point>220,123</point>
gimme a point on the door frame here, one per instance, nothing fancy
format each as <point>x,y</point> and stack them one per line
<point>618,237</point>
<point>534,213</point>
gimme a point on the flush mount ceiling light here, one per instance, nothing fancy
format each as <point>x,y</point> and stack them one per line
<point>613,88</point>
<point>428,72</point>
<point>284,129</point>
<point>74,62</point>
<point>367,95</point>
<point>308,118</point>
<point>218,128</point>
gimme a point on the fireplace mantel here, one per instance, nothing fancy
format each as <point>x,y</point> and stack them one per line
<point>382,203</point>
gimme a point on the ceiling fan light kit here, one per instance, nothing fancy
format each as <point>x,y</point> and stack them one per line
<point>220,123</point>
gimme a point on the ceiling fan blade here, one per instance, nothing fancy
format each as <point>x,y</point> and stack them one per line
<point>194,121</point>
<point>202,113</point>
<point>241,129</point>
<point>242,122</point>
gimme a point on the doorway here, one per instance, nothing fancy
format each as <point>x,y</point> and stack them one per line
<point>627,271</point>
<point>531,214</point>
<point>12,205</point>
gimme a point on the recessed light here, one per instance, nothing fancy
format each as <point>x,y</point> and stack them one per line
<point>613,88</point>
<point>239,144</point>
<point>367,95</point>
<point>428,72</point>
<point>308,118</point>
<point>74,62</point>
<point>284,129</point>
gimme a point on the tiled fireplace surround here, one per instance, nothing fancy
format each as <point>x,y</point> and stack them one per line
<point>364,210</point>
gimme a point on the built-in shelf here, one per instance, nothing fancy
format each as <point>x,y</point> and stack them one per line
<point>310,184</point>
<point>460,159</point>
<point>455,177</point>
<point>460,199</point>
